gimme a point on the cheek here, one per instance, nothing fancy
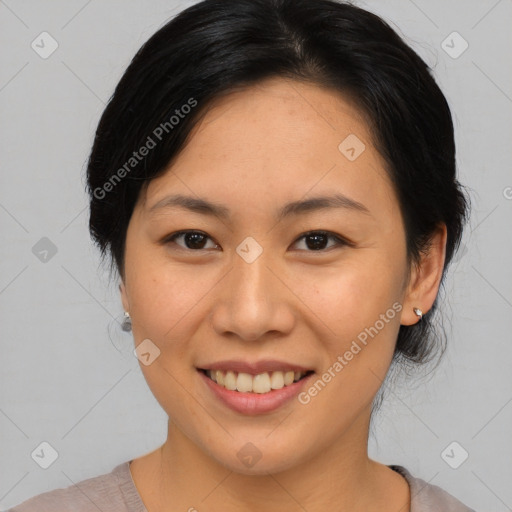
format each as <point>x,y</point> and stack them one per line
<point>162,292</point>
<point>166,306</point>
<point>352,296</point>
<point>360,305</point>
<point>361,309</point>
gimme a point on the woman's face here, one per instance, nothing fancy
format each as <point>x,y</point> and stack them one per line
<point>246,286</point>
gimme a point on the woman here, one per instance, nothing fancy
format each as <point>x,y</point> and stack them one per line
<point>274,181</point>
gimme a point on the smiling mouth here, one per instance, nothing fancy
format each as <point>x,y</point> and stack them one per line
<point>262,383</point>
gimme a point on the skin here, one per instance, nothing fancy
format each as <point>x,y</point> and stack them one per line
<point>255,150</point>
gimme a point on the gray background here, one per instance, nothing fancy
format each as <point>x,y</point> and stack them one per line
<point>65,380</point>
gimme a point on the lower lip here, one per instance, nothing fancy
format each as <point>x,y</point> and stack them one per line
<point>255,403</point>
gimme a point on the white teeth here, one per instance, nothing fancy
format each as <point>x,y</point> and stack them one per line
<point>277,380</point>
<point>288,378</point>
<point>244,382</point>
<point>261,383</point>
<point>230,380</point>
<point>219,377</point>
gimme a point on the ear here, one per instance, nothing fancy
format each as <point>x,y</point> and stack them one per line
<point>124,297</point>
<point>425,278</point>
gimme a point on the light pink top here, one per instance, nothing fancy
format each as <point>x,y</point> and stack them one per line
<point>116,492</point>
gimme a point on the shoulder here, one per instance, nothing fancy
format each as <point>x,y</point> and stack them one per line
<point>114,491</point>
<point>429,498</point>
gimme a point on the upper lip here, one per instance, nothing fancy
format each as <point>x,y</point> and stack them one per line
<point>254,368</point>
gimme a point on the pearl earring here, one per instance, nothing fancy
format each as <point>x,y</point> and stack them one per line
<point>127,322</point>
<point>418,312</point>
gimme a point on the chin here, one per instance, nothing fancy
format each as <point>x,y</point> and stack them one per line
<point>249,460</point>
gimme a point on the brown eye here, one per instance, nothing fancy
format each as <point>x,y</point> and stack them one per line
<point>192,240</point>
<point>316,241</point>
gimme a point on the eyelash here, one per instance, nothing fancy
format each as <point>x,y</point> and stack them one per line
<point>340,242</point>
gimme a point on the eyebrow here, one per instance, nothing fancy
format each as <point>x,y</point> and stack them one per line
<point>204,207</point>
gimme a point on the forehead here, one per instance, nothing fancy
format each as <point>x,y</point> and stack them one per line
<point>278,140</point>
<point>281,113</point>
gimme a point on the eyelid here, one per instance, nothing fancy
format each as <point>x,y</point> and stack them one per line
<point>340,240</point>
<point>170,238</point>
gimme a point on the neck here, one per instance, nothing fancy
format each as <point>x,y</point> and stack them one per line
<point>181,474</point>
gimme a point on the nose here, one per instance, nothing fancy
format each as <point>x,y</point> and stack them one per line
<point>254,302</point>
